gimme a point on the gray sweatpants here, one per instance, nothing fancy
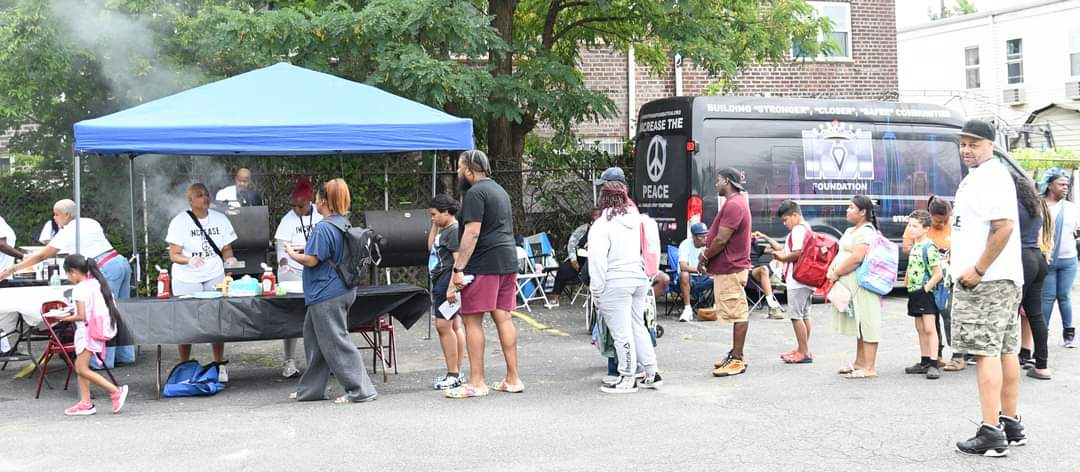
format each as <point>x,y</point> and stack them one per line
<point>328,348</point>
<point>623,309</point>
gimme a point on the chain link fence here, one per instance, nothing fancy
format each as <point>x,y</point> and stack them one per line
<point>555,200</point>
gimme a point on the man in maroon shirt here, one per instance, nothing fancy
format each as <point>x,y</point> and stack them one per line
<point>727,260</point>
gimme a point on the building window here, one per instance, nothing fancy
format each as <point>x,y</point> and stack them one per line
<point>971,67</point>
<point>1014,61</point>
<point>1074,52</point>
<point>840,36</point>
<point>611,146</point>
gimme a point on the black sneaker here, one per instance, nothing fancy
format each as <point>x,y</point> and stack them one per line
<point>988,441</point>
<point>1014,430</point>
<point>1027,364</point>
<point>918,368</point>
<point>654,382</point>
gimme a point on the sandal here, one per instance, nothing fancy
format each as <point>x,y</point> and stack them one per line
<point>345,399</point>
<point>859,374</point>
<point>788,354</point>
<point>502,386</point>
<point>847,370</point>
<point>467,391</point>
<point>799,358</point>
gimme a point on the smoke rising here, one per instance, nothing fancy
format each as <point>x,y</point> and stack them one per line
<point>131,61</point>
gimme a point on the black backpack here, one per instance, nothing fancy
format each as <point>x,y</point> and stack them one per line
<point>360,250</point>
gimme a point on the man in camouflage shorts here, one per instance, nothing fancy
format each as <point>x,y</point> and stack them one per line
<point>986,300</point>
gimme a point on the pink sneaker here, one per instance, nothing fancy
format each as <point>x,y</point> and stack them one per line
<point>118,398</point>
<point>81,409</point>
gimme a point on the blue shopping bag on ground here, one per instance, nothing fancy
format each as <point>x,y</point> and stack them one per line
<point>189,379</point>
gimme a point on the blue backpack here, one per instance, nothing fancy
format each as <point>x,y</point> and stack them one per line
<point>941,291</point>
<point>189,379</point>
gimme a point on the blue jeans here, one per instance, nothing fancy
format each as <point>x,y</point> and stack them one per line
<point>1057,287</point>
<point>117,273</point>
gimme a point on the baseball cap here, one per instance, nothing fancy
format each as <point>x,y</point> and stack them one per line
<point>736,177</point>
<point>978,129</point>
<point>699,228</point>
<point>611,174</point>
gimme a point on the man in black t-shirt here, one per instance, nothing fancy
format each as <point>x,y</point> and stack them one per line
<point>487,253</point>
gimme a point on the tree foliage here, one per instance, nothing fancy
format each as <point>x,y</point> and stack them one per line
<point>961,7</point>
<point>510,65</point>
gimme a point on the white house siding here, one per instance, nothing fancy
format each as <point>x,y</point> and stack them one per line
<point>932,68</point>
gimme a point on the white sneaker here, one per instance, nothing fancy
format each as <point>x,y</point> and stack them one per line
<point>687,313</point>
<point>773,302</point>
<point>625,385</point>
<point>222,374</point>
<point>289,371</point>
<point>609,380</point>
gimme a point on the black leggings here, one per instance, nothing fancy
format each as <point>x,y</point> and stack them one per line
<point>1035,268</point>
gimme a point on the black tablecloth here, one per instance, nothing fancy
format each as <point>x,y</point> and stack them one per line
<point>196,321</point>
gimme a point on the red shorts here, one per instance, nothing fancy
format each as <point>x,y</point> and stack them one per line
<point>489,292</point>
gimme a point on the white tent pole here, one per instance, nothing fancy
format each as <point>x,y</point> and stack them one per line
<point>134,235</point>
<point>78,196</point>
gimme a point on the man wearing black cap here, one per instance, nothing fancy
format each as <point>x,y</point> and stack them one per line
<point>727,258</point>
<point>988,275</point>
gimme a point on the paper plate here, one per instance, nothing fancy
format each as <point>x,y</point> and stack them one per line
<point>206,295</point>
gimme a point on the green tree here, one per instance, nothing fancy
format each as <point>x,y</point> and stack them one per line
<point>511,65</point>
<point>961,7</point>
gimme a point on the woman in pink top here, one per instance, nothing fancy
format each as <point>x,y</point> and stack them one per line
<point>93,304</point>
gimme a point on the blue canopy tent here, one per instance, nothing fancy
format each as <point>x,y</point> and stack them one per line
<point>281,110</point>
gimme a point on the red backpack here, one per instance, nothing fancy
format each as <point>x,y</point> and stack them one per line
<point>818,252</point>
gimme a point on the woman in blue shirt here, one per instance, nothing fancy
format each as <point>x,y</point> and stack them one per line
<point>327,346</point>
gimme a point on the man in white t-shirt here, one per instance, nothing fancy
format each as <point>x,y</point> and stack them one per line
<point>91,243</point>
<point>988,275</point>
<point>242,193</point>
<point>8,253</point>
<point>799,296</point>
<point>692,280</point>
<point>294,229</point>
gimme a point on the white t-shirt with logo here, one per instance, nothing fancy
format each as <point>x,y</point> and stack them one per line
<point>1068,227</point>
<point>46,233</point>
<point>985,195</point>
<point>294,229</point>
<point>795,239</point>
<point>184,233</point>
<point>9,235</point>
<point>92,242</point>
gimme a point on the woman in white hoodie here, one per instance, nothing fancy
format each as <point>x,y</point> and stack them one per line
<point>618,283</point>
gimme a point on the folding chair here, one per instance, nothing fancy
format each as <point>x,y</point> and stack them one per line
<point>62,342</point>
<point>541,254</point>
<point>755,293</point>
<point>386,352</point>
<point>530,281</point>
<point>703,300</point>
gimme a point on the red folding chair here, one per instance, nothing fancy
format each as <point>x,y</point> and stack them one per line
<point>62,342</point>
<point>386,352</point>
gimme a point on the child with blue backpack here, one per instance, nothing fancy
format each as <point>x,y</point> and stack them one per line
<point>924,273</point>
<point>95,321</point>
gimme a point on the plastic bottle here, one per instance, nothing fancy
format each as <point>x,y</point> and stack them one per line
<point>54,279</point>
<point>269,281</point>
<point>225,284</point>
<point>164,283</point>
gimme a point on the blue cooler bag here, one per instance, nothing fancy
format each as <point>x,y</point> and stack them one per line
<point>189,379</point>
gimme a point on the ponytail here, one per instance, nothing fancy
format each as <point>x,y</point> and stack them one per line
<point>88,266</point>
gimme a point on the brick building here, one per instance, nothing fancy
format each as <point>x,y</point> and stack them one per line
<point>864,68</point>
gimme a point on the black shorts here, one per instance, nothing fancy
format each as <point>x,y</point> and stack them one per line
<point>921,303</point>
<point>438,289</point>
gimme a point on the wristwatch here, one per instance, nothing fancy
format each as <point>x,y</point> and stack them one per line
<point>458,271</point>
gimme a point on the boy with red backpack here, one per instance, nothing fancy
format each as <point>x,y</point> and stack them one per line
<point>802,275</point>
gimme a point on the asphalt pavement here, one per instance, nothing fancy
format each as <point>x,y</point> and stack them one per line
<point>773,417</point>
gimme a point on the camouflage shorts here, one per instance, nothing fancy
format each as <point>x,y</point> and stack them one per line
<point>986,320</point>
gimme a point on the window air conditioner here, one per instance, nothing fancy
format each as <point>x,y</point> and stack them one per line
<point>1012,96</point>
<point>1072,90</point>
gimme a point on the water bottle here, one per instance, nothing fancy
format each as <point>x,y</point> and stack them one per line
<point>54,279</point>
